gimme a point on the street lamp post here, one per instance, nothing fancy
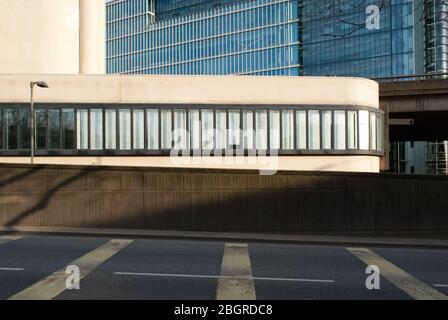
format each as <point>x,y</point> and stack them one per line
<point>40,84</point>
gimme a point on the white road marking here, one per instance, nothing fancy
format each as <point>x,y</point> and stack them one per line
<point>199,276</point>
<point>12,269</point>
<point>415,288</point>
<point>237,282</point>
<point>55,284</point>
<point>441,285</point>
<point>6,239</point>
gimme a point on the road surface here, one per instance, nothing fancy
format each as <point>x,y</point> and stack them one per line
<point>35,267</point>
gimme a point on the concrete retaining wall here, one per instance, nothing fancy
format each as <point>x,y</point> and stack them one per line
<point>218,200</point>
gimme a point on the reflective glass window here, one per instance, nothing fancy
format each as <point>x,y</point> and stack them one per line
<point>352,129</point>
<point>41,129</point>
<point>287,130</point>
<point>124,123</point>
<point>248,130</point>
<point>152,118</point>
<point>111,129</point>
<point>373,124</point>
<point>54,141</point>
<point>221,129</point>
<point>195,129</point>
<point>207,129</point>
<point>96,129</point>
<point>274,129</point>
<point>379,133</point>
<point>234,127</point>
<point>138,129</point>
<point>2,127</point>
<point>11,128</point>
<point>313,129</point>
<point>180,130</point>
<point>326,129</point>
<point>68,129</point>
<point>339,130</point>
<point>82,129</point>
<point>166,129</point>
<point>364,130</point>
<point>261,125</point>
<point>301,129</point>
<point>25,128</point>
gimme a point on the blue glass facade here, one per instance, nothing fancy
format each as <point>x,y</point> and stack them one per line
<point>436,36</point>
<point>257,37</point>
<point>339,43</point>
<point>276,37</point>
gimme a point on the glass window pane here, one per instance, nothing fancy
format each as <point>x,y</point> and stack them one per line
<point>379,133</point>
<point>301,129</point>
<point>248,130</point>
<point>352,129</point>
<point>96,129</point>
<point>274,129</point>
<point>82,130</point>
<point>180,130</point>
<point>234,128</point>
<point>166,129</point>
<point>2,126</point>
<point>41,129</point>
<point>25,128</point>
<point>138,129</point>
<point>68,123</point>
<point>287,130</point>
<point>111,129</point>
<point>207,129</point>
<point>221,129</point>
<point>373,131</point>
<point>339,130</point>
<point>314,130</point>
<point>11,128</point>
<point>364,130</point>
<point>152,118</point>
<point>261,125</point>
<point>124,122</point>
<point>326,129</point>
<point>195,129</point>
<point>54,141</point>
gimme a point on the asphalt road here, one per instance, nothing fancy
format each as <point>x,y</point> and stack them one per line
<point>33,267</point>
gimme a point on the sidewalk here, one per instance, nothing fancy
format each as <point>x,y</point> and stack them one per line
<point>233,236</point>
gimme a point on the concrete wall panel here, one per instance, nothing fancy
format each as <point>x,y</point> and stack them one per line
<point>216,200</point>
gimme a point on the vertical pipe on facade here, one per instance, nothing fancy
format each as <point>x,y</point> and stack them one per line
<point>92,36</point>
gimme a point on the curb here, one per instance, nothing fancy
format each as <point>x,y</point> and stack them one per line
<point>232,236</point>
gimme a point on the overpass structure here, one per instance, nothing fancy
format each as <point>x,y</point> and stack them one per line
<point>416,109</point>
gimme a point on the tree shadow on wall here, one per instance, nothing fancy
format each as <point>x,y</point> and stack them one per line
<point>43,202</point>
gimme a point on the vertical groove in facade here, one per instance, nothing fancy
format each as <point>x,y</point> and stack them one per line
<point>92,52</point>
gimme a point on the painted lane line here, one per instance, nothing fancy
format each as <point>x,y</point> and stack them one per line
<point>199,276</point>
<point>54,284</point>
<point>415,288</point>
<point>441,285</point>
<point>236,281</point>
<point>12,269</point>
<point>6,239</point>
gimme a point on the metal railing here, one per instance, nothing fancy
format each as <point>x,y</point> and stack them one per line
<point>413,77</point>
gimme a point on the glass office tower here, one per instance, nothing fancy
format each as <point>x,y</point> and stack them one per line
<point>258,37</point>
<point>277,37</point>
<point>338,40</point>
